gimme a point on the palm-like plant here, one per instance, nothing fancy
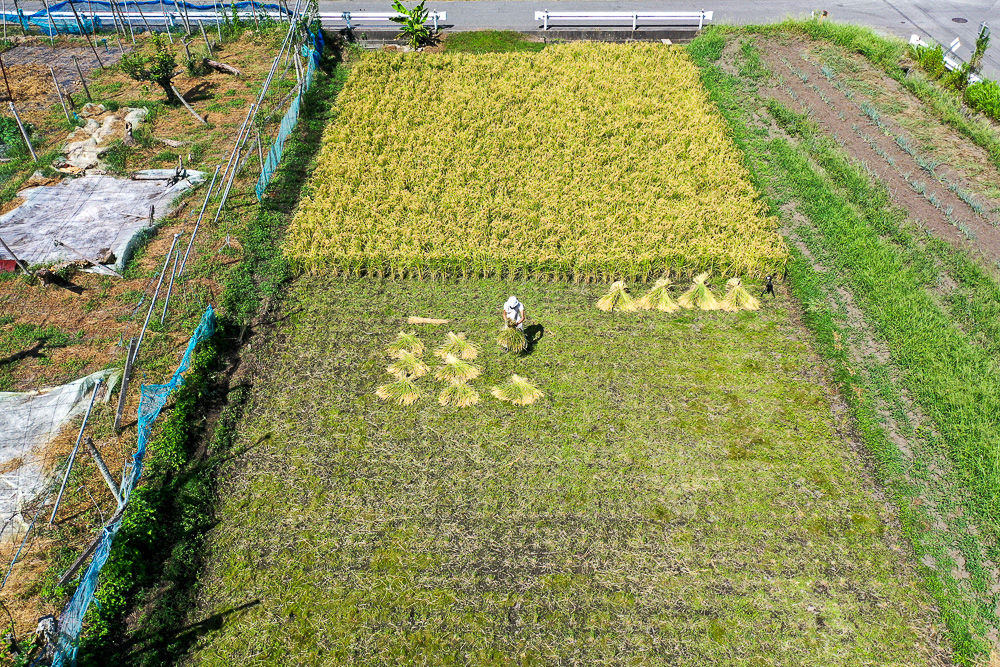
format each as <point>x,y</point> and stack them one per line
<point>412,22</point>
<point>402,391</point>
<point>457,345</point>
<point>699,295</point>
<point>518,391</point>
<point>459,395</point>
<point>408,364</point>
<point>405,342</point>
<point>456,371</point>
<point>618,298</point>
<point>738,297</point>
<point>658,298</point>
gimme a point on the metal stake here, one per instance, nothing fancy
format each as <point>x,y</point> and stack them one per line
<point>86,35</point>
<point>200,216</point>
<point>82,80</point>
<point>166,262</point>
<point>24,133</point>
<point>72,456</point>
<point>170,288</point>
<point>105,473</point>
<point>60,95</point>
<point>126,376</point>
<point>23,266</point>
<point>205,37</point>
<point>52,24</point>
<point>3,69</point>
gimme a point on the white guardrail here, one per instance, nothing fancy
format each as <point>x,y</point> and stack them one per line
<point>951,63</point>
<point>356,18</point>
<point>654,18</point>
<point>175,19</point>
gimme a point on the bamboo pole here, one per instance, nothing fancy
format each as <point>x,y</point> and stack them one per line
<point>105,473</point>
<point>60,96</point>
<point>126,377</point>
<point>143,17</point>
<point>86,35</point>
<point>3,68</point>
<point>196,224</point>
<point>187,106</point>
<point>24,267</point>
<point>166,22</point>
<point>20,18</point>
<point>204,36</point>
<point>170,288</point>
<point>82,80</point>
<point>52,24</point>
<point>166,263</point>
<point>24,133</point>
<point>4,5</point>
<point>72,456</point>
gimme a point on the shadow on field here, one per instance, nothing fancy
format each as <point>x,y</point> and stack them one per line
<point>187,635</point>
<point>532,335</point>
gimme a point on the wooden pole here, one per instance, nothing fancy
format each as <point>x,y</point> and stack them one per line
<point>126,377</point>
<point>86,35</point>
<point>24,133</point>
<point>82,80</point>
<point>3,68</point>
<point>60,96</point>
<point>20,17</point>
<point>23,266</point>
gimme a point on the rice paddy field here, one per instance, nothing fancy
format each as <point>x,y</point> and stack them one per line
<point>810,483</point>
<point>604,161</point>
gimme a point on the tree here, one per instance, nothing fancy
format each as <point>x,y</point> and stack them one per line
<point>982,43</point>
<point>412,22</point>
<point>158,67</point>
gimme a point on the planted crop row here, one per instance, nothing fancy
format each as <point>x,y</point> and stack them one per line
<point>582,162</point>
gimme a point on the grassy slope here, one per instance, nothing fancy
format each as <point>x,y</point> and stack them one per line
<point>681,496</point>
<point>938,357</point>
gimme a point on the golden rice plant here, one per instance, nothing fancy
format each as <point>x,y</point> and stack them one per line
<point>511,339</point>
<point>408,364</point>
<point>618,298</point>
<point>517,390</point>
<point>459,395</point>
<point>738,297</point>
<point>699,295</point>
<point>685,202</point>
<point>405,342</point>
<point>457,344</point>
<point>456,371</point>
<point>402,391</point>
<point>658,298</point>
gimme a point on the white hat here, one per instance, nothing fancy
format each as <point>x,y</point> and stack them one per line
<point>512,302</point>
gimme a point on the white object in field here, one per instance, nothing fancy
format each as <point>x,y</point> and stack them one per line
<point>656,18</point>
<point>954,45</point>
<point>352,18</point>
<point>28,422</point>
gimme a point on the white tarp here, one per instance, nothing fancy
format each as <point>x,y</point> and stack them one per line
<point>28,422</point>
<point>88,214</point>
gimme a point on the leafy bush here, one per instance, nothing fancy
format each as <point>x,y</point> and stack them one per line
<point>985,97</point>
<point>10,136</point>
<point>931,60</point>
<point>158,67</point>
<point>412,22</point>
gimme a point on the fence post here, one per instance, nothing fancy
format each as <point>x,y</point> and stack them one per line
<point>126,376</point>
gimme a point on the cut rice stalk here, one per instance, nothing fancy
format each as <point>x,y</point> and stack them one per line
<point>512,339</point>
<point>618,298</point>
<point>457,344</point>
<point>518,391</point>
<point>402,391</point>
<point>699,295</point>
<point>405,342</point>
<point>658,298</point>
<point>408,364</point>
<point>459,395</point>
<point>457,371</point>
<point>739,297</point>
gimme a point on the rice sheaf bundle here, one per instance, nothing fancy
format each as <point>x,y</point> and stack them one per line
<point>739,297</point>
<point>512,339</point>
<point>459,395</point>
<point>699,295</point>
<point>518,391</point>
<point>457,345</point>
<point>456,371</point>
<point>407,364</point>
<point>618,298</point>
<point>405,342</point>
<point>658,298</point>
<point>401,391</point>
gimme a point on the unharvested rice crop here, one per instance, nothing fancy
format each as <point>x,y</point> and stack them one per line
<point>585,162</point>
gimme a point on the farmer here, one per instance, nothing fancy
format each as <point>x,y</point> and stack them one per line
<point>513,313</point>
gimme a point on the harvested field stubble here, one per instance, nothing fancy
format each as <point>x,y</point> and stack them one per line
<point>582,162</point>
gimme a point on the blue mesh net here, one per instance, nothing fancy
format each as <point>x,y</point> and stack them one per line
<point>151,401</point>
<point>291,118</point>
<point>69,25</point>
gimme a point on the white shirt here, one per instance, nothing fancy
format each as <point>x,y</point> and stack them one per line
<point>513,313</point>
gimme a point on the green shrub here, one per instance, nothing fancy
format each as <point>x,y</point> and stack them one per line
<point>931,60</point>
<point>985,97</point>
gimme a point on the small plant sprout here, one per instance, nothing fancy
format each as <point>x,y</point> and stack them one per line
<point>518,391</point>
<point>405,342</point>
<point>618,298</point>
<point>456,371</point>
<point>699,295</point>
<point>658,298</point>
<point>408,364</point>
<point>738,297</point>
<point>457,344</point>
<point>403,392</point>
<point>459,395</point>
<point>511,339</point>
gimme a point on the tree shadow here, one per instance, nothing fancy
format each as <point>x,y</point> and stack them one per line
<point>186,636</point>
<point>34,352</point>
<point>532,334</point>
<point>198,93</point>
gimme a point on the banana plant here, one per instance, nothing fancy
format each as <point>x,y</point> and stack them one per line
<point>412,22</point>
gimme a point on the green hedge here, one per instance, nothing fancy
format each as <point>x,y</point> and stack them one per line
<point>984,97</point>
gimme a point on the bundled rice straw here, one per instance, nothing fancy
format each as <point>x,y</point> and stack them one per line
<point>459,395</point>
<point>738,297</point>
<point>457,345</point>
<point>699,295</point>
<point>618,298</point>
<point>401,391</point>
<point>407,364</point>
<point>405,342</point>
<point>512,339</point>
<point>456,371</point>
<point>658,298</point>
<point>518,391</point>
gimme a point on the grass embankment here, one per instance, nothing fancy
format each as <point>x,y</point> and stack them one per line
<point>938,356</point>
<point>558,178</point>
<point>681,496</point>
